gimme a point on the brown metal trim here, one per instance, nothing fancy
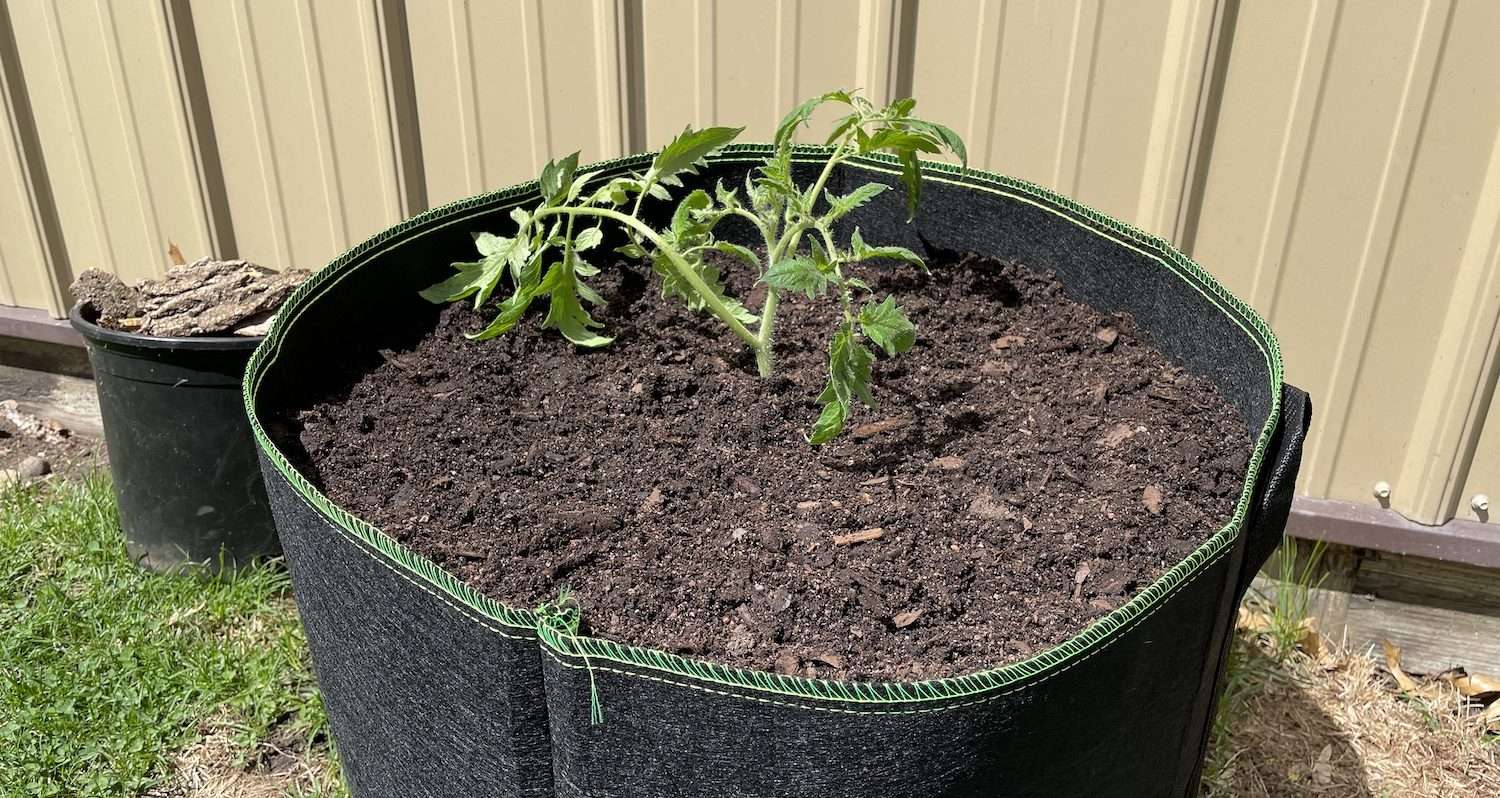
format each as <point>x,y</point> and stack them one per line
<point>1362,526</point>
<point>37,325</point>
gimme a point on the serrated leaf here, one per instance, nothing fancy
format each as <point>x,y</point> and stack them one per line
<point>898,141</point>
<point>565,312</point>
<point>674,284</point>
<point>684,223</point>
<point>887,326</point>
<point>950,139</point>
<point>838,206</point>
<point>797,274</point>
<point>659,191</point>
<point>799,115</point>
<point>557,177</point>
<point>588,239</point>
<point>469,279</point>
<point>829,424</point>
<point>689,146</point>
<point>743,253</point>
<point>841,128</point>
<point>631,250</point>
<point>848,379</point>
<point>583,268</point>
<point>521,217</point>
<point>903,106</point>
<point>511,312</point>
<point>489,243</point>
<point>577,184</point>
<point>726,196</point>
<point>862,251</point>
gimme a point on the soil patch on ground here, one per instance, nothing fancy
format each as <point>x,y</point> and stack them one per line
<point>1032,465</point>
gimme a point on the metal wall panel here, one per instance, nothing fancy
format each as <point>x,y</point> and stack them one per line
<point>1351,196</point>
<point>113,133</point>
<point>27,270</point>
<point>1095,100</point>
<point>503,86</point>
<point>298,96</point>
<point>733,63</point>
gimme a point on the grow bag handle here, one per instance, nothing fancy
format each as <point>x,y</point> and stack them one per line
<point>1278,477</point>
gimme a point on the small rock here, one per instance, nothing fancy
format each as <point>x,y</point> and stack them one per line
<point>989,508</point>
<point>779,600</point>
<point>996,368</point>
<point>788,663</point>
<point>1006,342</point>
<point>831,660</point>
<point>862,536</point>
<point>905,619</point>
<point>947,463</point>
<point>652,503</point>
<point>870,483</point>
<point>33,467</point>
<point>1116,435</point>
<point>877,427</point>
<point>741,640</point>
<point>1107,336</point>
<point>808,506</point>
<point>1151,496</point>
<point>738,533</point>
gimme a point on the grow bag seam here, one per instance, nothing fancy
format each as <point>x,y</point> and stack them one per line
<point>464,611</point>
<point>557,656</point>
<point>1148,600</point>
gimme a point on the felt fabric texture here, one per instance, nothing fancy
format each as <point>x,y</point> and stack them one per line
<point>428,697</point>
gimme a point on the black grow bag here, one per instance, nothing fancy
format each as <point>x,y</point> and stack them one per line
<point>435,690</point>
<point>181,456</point>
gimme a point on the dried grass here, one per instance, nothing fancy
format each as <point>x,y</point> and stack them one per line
<point>1337,724</point>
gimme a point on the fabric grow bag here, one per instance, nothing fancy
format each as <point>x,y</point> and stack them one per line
<point>435,690</point>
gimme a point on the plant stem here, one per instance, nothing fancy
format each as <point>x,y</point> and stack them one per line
<point>684,270</point>
<point>788,243</point>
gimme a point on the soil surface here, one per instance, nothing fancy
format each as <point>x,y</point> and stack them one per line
<point>1032,465</point>
<point>207,297</point>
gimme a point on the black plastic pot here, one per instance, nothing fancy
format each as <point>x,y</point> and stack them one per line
<point>180,452</point>
<point>435,690</point>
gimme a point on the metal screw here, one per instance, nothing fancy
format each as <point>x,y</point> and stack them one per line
<point>1382,490</point>
<point>1480,503</point>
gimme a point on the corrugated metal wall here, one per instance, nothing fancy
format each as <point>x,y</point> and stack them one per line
<point>1337,163</point>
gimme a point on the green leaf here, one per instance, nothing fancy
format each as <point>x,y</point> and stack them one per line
<point>848,379</point>
<point>674,284</point>
<point>684,223</point>
<point>900,141</point>
<point>588,239</point>
<point>470,278</point>
<point>521,217</point>
<point>842,128</point>
<point>797,274</point>
<point>557,177</point>
<point>951,140</point>
<point>887,326</point>
<point>511,312</point>
<point>798,116</point>
<point>631,250</point>
<point>489,243</point>
<point>689,146</point>
<point>829,424</point>
<point>565,312</point>
<point>659,191</point>
<point>862,251</point>
<point>838,206</point>
<point>743,253</point>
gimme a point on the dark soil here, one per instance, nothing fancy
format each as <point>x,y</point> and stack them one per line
<point>1033,464</point>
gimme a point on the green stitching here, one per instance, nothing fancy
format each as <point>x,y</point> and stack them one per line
<point>1086,643</point>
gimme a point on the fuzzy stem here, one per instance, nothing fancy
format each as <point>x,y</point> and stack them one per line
<point>684,270</point>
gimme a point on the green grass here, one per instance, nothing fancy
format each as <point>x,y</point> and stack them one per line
<point>107,671</point>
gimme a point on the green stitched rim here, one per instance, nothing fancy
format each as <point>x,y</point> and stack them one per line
<point>560,639</point>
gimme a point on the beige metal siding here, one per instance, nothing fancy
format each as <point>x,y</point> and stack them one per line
<point>1336,163</point>
<point>1351,196</point>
